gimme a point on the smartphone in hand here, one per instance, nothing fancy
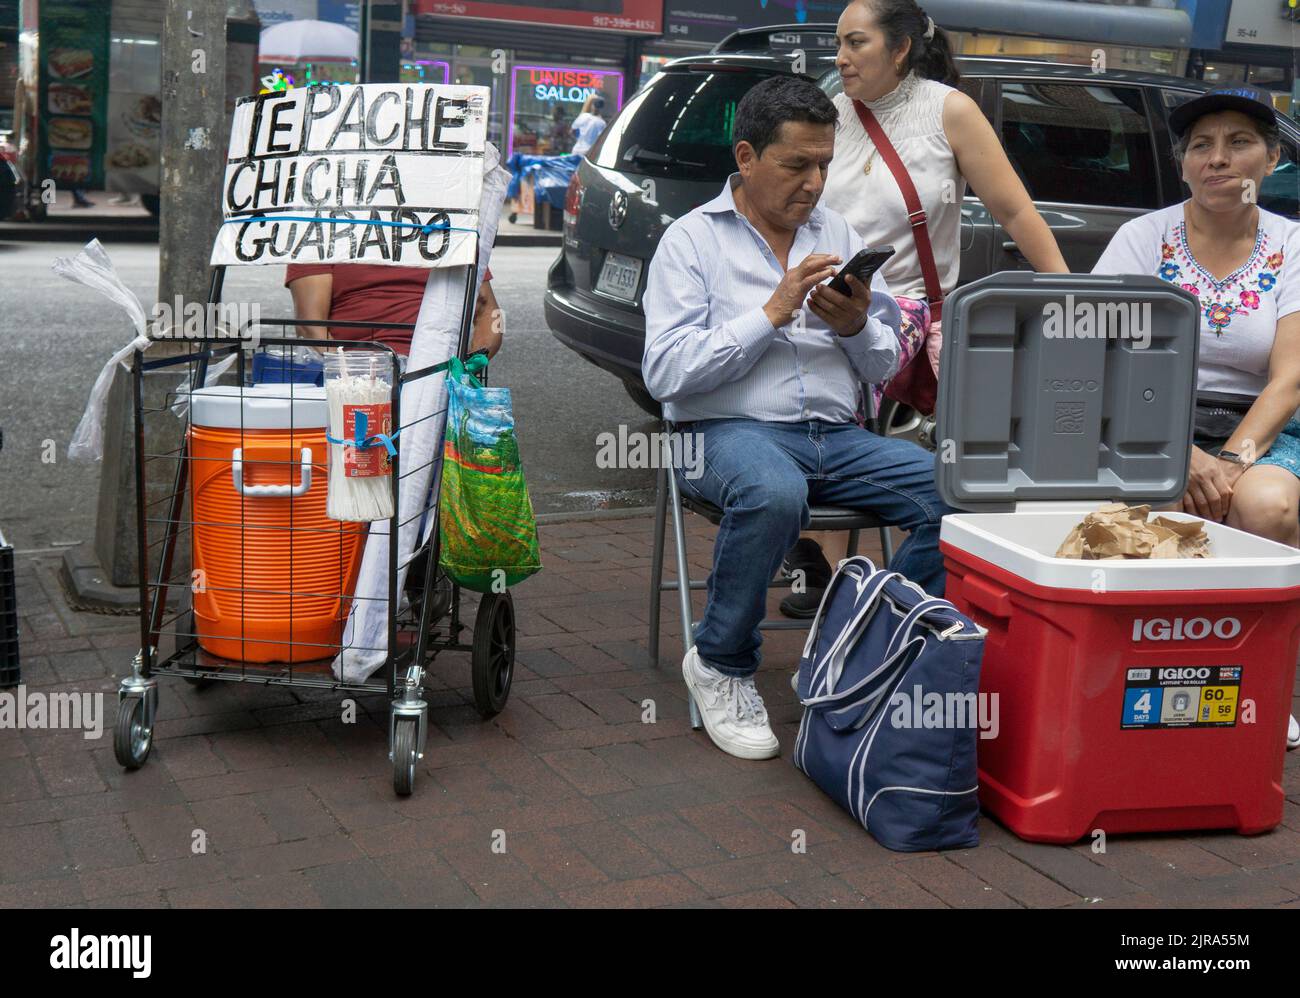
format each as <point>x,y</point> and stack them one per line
<point>863,266</point>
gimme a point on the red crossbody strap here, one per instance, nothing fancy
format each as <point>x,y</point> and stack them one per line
<point>915,213</point>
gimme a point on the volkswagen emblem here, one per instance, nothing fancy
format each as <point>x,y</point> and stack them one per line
<point>618,210</point>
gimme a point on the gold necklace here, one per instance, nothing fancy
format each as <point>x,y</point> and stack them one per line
<point>866,170</point>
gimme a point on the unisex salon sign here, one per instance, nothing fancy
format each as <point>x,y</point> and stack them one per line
<point>371,173</point>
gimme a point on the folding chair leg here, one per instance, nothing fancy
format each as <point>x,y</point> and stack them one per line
<point>683,586</point>
<point>886,546</point>
<point>657,562</point>
<point>854,541</point>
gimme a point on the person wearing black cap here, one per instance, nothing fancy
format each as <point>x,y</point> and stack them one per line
<point>1243,263</point>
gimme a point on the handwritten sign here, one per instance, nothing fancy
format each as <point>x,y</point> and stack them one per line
<point>371,173</point>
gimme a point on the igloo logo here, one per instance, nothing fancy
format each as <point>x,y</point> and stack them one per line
<point>1179,629</point>
<point>1183,673</point>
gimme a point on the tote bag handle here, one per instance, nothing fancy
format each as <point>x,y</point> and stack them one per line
<point>849,709</point>
<point>825,673</point>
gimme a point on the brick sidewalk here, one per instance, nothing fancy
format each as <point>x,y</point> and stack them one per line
<point>596,807</point>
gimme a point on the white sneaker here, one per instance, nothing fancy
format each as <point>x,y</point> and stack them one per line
<point>1293,734</point>
<point>732,710</point>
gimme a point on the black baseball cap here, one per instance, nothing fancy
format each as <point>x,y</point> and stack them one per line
<point>1252,101</point>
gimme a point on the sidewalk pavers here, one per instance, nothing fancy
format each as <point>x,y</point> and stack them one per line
<point>258,796</point>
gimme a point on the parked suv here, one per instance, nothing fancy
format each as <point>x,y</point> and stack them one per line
<point>1094,150</point>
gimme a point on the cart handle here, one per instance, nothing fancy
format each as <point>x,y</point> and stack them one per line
<point>270,491</point>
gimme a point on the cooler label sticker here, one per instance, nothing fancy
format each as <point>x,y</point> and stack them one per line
<point>1141,706</point>
<point>1181,696</point>
<point>372,461</point>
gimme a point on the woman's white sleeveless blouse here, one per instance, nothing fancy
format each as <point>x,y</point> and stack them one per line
<point>912,117</point>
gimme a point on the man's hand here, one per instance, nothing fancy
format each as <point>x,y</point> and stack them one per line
<point>1209,492</point>
<point>788,298</point>
<point>845,315</point>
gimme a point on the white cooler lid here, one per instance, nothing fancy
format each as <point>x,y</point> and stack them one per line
<point>260,407</point>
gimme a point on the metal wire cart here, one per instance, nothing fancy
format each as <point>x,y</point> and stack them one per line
<point>244,579</point>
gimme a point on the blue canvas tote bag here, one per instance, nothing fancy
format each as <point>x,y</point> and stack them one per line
<point>889,680</point>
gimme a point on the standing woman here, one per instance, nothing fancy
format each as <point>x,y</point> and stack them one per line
<point>899,78</point>
<point>907,144</point>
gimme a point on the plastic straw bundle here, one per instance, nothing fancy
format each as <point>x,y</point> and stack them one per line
<point>360,486</point>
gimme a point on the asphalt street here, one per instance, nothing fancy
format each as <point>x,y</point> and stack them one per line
<point>55,336</point>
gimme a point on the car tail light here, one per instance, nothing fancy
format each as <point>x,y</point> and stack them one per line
<point>573,199</point>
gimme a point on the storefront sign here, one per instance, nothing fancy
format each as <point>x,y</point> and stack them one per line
<point>380,173</point>
<point>73,91</point>
<point>573,86</point>
<point>340,12</point>
<point>626,16</point>
<point>545,101</point>
<point>1263,22</point>
<point>710,21</point>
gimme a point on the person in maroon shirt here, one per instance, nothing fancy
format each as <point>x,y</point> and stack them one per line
<point>360,292</point>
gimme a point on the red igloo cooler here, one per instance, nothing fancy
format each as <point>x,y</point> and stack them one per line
<point>1132,696</point>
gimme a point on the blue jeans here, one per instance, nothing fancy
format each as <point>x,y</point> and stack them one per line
<point>763,476</point>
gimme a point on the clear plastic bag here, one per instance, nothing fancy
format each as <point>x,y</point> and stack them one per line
<point>185,388</point>
<point>92,268</point>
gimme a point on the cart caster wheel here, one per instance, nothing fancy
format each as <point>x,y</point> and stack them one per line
<point>406,742</point>
<point>132,738</point>
<point>493,656</point>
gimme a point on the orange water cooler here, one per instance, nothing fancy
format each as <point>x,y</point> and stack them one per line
<point>277,573</point>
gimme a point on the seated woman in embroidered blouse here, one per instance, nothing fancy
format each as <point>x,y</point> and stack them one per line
<point>1244,265</point>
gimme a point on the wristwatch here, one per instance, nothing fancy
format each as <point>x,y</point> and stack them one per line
<point>1232,457</point>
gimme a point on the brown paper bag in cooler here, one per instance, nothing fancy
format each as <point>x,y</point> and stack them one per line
<point>1118,512</point>
<point>1118,538</point>
<point>1072,546</point>
<point>1119,531</point>
<point>1187,538</point>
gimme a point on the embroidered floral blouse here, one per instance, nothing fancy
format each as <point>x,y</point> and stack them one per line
<point>1239,314</point>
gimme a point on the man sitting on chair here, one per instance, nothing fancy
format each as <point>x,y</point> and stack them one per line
<point>770,385</point>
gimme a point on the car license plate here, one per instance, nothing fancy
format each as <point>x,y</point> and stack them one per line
<point>620,276</point>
